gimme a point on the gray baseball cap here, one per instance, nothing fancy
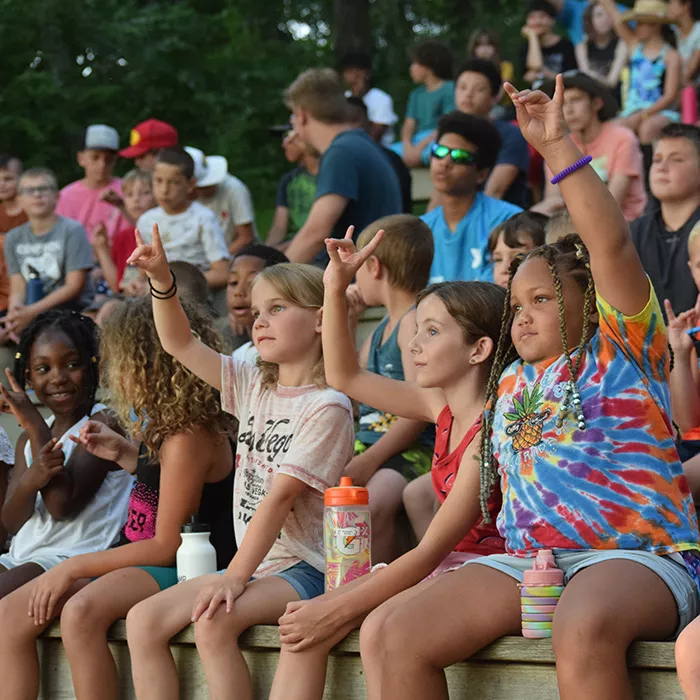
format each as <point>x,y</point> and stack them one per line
<point>102,137</point>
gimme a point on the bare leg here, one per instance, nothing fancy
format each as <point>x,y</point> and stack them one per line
<point>84,623</point>
<point>12,579</point>
<point>420,503</point>
<point>602,611</point>
<point>20,662</point>
<point>385,489</point>
<point>149,626</point>
<point>650,128</point>
<point>263,602</point>
<point>688,660</point>
<point>408,646</point>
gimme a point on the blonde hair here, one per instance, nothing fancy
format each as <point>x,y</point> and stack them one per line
<point>300,285</point>
<point>161,397</point>
<point>559,226</point>
<point>320,92</point>
<point>694,235</point>
<point>406,250</point>
<point>134,176</point>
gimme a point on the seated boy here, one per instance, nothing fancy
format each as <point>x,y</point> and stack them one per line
<point>147,138</point>
<point>112,256</point>
<point>189,230</point>
<point>226,196</point>
<point>589,108</point>
<point>83,200</point>
<point>11,216</point>
<point>390,451</point>
<point>431,69</point>
<point>53,248</point>
<point>466,150</point>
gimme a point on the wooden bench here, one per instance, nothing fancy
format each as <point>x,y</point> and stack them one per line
<point>510,669</point>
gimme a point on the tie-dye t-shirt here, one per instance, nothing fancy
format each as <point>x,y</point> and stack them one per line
<point>618,484</point>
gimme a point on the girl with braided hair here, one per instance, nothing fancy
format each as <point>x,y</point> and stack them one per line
<point>580,432</point>
<point>62,500</point>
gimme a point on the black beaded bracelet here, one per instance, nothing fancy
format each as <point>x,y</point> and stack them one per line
<point>168,293</point>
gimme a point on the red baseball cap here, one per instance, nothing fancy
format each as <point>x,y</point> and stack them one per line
<point>150,136</point>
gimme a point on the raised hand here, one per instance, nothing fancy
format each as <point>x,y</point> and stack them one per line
<point>540,119</point>
<point>677,327</point>
<point>100,239</point>
<point>152,260</point>
<point>18,403</point>
<point>113,198</point>
<point>101,441</point>
<point>346,260</point>
<point>48,464</point>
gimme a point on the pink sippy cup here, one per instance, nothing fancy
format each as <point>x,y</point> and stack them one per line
<point>539,594</point>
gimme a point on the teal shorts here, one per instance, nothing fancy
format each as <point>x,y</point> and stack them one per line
<point>164,576</point>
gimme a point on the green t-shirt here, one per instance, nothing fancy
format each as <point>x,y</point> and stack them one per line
<point>427,107</point>
<point>296,191</point>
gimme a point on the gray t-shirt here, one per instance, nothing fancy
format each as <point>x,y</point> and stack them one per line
<point>63,249</point>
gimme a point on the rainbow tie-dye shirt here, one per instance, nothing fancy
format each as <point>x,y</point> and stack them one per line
<point>618,484</point>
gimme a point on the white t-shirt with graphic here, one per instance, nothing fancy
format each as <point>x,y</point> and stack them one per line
<point>303,432</point>
<point>232,205</point>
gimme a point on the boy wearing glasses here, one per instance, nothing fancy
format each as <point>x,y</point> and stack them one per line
<point>50,247</point>
<point>465,152</point>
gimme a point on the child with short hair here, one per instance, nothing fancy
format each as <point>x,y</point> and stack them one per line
<point>62,501</point>
<point>191,232</point>
<point>137,188</point>
<point>83,200</point>
<point>390,451</point>
<point>295,439</point>
<point>182,457</point>
<point>559,226</point>
<point>518,235</point>
<point>53,248</point>
<point>146,140</point>
<point>11,216</point>
<point>431,69</point>
<point>580,472</point>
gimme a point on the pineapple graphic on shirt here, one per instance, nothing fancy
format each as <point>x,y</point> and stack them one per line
<point>526,428</point>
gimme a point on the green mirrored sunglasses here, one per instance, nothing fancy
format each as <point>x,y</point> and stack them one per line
<point>459,156</point>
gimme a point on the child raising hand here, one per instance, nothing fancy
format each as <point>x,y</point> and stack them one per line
<point>579,430</point>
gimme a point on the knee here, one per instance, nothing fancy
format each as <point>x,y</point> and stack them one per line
<point>688,651</point>
<point>383,512</point>
<point>15,623</point>
<point>382,637</point>
<point>212,635</point>
<point>142,627</point>
<point>584,638</point>
<point>80,618</point>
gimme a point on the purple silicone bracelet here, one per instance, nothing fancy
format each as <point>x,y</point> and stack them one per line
<point>571,169</point>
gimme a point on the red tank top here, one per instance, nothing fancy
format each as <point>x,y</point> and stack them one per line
<point>483,538</point>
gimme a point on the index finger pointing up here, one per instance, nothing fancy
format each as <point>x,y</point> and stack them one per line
<point>13,382</point>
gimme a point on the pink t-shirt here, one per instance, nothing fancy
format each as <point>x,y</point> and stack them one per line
<point>304,432</point>
<point>616,151</point>
<point>84,205</point>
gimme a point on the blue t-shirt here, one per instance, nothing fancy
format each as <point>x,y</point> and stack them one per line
<point>571,18</point>
<point>514,152</point>
<point>355,167</point>
<point>427,106</point>
<point>461,255</point>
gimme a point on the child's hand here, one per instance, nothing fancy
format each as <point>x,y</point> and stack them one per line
<point>679,340</point>
<point>151,259</point>
<point>101,441</point>
<point>540,119</point>
<point>113,198</point>
<point>48,589</point>
<point>345,260</point>
<point>224,590</point>
<point>308,622</point>
<point>100,239</point>
<point>360,469</point>
<point>48,464</point>
<point>356,304</point>
<point>18,403</point>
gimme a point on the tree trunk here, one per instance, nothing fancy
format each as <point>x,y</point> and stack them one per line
<point>351,26</point>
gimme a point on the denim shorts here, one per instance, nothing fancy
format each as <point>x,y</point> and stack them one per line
<point>670,569</point>
<point>303,578</point>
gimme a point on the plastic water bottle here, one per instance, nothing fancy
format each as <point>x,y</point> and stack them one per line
<point>196,555</point>
<point>539,594</point>
<point>347,533</point>
<point>34,290</point>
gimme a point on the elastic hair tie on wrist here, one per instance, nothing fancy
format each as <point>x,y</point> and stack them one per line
<point>571,169</point>
<point>168,293</point>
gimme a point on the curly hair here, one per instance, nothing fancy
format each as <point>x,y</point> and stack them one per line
<point>435,56</point>
<point>155,396</point>
<point>568,256</point>
<point>300,285</point>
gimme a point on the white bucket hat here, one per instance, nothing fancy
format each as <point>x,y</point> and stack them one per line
<point>208,170</point>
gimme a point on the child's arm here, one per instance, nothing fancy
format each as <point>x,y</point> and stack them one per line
<point>343,372</point>
<point>172,323</point>
<point>692,68</point>
<point>617,271</point>
<point>619,61</point>
<point>217,274</point>
<point>672,84</point>
<point>20,498</point>
<point>184,460</point>
<point>581,51</point>
<point>279,228</point>
<point>264,529</point>
<point>310,622</point>
<point>407,131</point>
<point>534,63</point>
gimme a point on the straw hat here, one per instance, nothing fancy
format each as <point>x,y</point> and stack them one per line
<point>647,11</point>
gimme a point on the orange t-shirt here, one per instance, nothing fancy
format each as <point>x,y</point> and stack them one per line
<point>7,223</point>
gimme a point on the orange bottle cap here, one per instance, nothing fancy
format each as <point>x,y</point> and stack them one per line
<point>346,494</point>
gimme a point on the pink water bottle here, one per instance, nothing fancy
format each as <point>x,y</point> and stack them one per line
<point>689,105</point>
<point>539,594</point>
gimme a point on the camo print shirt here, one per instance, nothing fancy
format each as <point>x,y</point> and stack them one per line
<point>303,432</point>
<point>618,484</point>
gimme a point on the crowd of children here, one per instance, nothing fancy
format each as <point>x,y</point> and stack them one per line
<point>534,382</point>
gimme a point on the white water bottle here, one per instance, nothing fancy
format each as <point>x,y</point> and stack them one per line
<point>196,555</point>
